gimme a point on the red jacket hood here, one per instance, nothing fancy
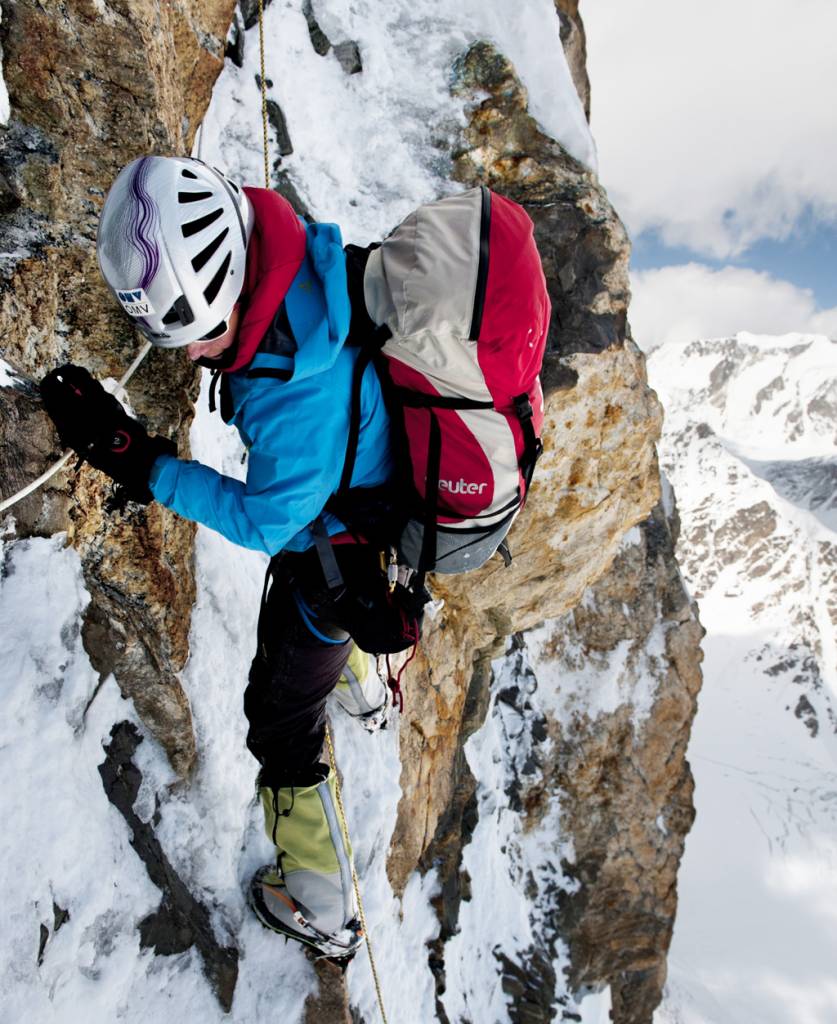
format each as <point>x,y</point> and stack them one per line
<point>274,255</point>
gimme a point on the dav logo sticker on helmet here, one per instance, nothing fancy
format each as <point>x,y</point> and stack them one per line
<point>135,302</point>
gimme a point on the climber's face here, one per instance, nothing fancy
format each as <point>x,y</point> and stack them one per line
<point>211,348</point>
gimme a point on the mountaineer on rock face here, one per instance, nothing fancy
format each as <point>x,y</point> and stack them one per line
<point>237,278</point>
<point>389,398</point>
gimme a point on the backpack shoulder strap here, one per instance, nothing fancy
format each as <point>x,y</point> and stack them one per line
<point>361,325</point>
<point>367,354</point>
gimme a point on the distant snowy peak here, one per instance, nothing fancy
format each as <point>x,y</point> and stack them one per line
<point>777,395</point>
<point>749,443</point>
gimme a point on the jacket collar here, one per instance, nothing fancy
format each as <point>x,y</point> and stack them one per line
<point>274,256</point>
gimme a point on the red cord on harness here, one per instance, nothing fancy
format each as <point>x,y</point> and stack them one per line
<point>394,682</point>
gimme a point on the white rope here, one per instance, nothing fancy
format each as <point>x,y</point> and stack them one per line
<point>126,376</point>
<point>42,479</point>
<point>65,458</point>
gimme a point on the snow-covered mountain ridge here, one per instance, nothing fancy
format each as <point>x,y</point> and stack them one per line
<point>750,433</point>
<point>749,445</point>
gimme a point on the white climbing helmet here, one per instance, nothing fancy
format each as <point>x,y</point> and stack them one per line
<point>172,247</point>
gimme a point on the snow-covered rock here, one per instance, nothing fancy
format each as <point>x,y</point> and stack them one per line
<point>583,799</point>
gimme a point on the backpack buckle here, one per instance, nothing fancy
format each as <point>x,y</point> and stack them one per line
<point>523,407</point>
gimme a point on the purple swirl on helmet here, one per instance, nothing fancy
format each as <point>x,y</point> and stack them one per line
<point>143,222</point>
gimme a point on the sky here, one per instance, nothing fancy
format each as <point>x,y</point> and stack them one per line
<point>715,129</point>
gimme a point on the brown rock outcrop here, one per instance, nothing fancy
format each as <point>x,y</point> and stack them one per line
<point>598,476</point>
<point>625,783</point>
<point>624,668</point>
<point>93,85</point>
<point>574,41</point>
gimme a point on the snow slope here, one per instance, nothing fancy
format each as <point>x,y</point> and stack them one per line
<point>749,445</point>
<point>369,147</point>
<point>63,843</point>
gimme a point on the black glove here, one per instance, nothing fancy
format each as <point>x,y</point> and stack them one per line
<point>94,424</point>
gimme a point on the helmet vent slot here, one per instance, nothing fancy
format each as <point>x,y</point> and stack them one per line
<point>214,285</point>
<point>192,197</point>
<point>180,313</point>
<point>205,255</point>
<point>189,174</point>
<point>194,226</point>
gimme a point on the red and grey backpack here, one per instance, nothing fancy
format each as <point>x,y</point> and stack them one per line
<point>459,293</point>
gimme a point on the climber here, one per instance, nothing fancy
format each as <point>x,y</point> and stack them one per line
<point>235,277</point>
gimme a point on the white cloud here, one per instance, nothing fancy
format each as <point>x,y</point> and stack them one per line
<point>714,121</point>
<point>692,301</point>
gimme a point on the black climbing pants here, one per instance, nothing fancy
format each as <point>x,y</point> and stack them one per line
<point>293,672</point>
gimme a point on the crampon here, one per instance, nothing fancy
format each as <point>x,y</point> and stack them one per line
<point>338,948</point>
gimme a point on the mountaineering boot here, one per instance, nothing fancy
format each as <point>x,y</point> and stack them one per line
<point>308,895</point>
<point>361,691</point>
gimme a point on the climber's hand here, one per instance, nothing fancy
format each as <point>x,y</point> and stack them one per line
<point>94,424</point>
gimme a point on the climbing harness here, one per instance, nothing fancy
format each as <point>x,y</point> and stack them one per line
<point>65,458</point>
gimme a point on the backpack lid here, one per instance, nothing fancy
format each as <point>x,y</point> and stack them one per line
<point>424,275</point>
<point>460,285</point>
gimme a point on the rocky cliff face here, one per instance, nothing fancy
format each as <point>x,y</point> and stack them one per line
<point>93,85</point>
<point>588,721</point>
<point>619,770</point>
<point>626,784</point>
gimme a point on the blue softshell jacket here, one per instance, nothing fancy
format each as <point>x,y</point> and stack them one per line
<point>295,429</point>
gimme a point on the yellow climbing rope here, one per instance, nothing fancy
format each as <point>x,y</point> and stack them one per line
<point>264,93</point>
<point>341,813</point>
<point>345,829</point>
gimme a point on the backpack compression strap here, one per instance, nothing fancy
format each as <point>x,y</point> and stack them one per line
<point>534,446</point>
